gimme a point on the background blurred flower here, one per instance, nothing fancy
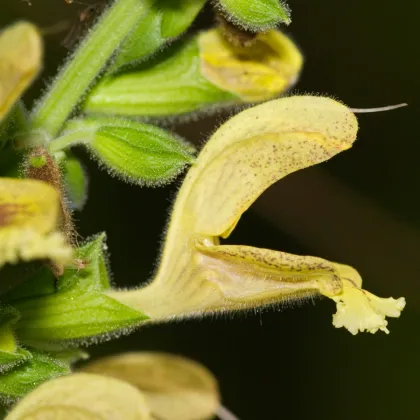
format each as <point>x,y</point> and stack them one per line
<point>29,218</point>
<point>138,386</point>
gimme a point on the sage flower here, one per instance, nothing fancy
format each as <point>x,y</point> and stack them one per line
<point>29,218</point>
<point>254,149</point>
<point>138,386</point>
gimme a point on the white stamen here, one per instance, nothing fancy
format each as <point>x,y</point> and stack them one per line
<point>379,109</point>
<point>224,414</point>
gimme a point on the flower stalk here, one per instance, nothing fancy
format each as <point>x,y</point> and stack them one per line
<point>87,62</point>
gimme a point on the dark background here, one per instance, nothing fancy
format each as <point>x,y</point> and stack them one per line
<point>361,208</point>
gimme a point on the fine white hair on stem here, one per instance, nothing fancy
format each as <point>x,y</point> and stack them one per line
<point>379,109</point>
<point>224,414</point>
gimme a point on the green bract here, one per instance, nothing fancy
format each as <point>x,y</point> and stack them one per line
<point>256,15</point>
<point>73,309</point>
<point>170,83</point>
<point>141,153</point>
<point>165,20</point>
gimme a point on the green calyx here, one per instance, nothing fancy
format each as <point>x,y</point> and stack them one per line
<point>170,83</point>
<point>164,21</point>
<point>255,15</point>
<point>137,152</point>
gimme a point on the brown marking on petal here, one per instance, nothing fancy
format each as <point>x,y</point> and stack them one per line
<point>9,211</point>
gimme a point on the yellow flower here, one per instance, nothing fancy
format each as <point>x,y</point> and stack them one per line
<point>20,62</point>
<point>245,156</point>
<point>137,386</point>
<point>256,72</point>
<point>29,215</point>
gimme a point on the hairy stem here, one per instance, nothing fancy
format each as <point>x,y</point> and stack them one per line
<point>85,64</point>
<point>68,140</point>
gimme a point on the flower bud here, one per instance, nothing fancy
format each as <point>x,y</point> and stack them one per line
<point>137,152</point>
<point>201,73</point>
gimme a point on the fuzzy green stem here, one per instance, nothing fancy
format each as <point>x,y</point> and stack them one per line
<point>70,139</point>
<point>85,64</point>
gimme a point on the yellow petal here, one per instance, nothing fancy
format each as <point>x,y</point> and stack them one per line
<point>29,212</point>
<point>256,72</point>
<point>247,276</point>
<point>28,203</point>
<point>175,388</point>
<point>82,396</point>
<point>20,62</point>
<point>28,244</point>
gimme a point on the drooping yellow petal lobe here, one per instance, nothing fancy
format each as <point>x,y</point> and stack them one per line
<point>20,62</point>
<point>244,157</point>
<point>29,213</point>
<point>82,396</point>
<point>359,310</point>
<point>254,72</point>
<point>175,388</point>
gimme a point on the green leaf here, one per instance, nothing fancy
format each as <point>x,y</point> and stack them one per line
<point>75,181</point>
<point>140,153</point>
<point>165,20</point>
<point>256,15</point>
<point>93,276</point>
<point>24,378</point>
<point>72,316</point>
<point>79,309</point>
<point>171,83</point>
